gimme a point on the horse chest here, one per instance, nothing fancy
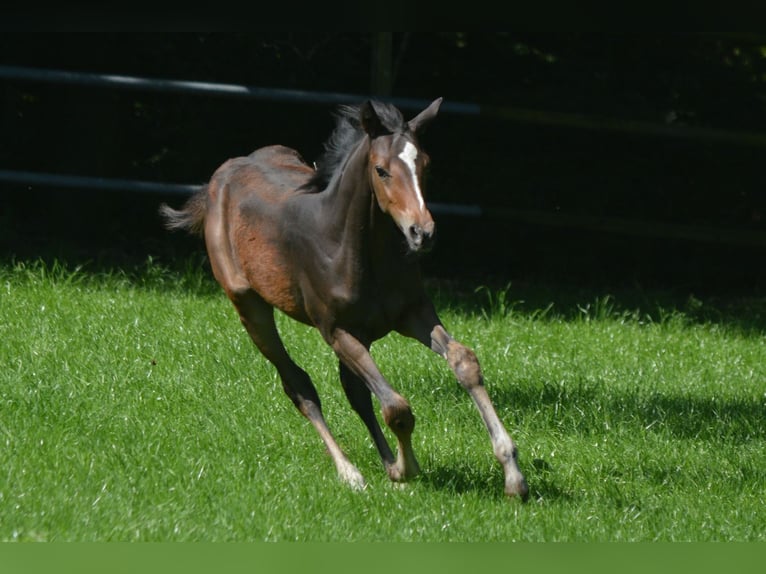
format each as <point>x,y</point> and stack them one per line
<point>373,307</point>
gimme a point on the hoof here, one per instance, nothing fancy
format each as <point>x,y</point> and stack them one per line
<point>517,487</point>
<point>352,477</point>
<point>398,474</point>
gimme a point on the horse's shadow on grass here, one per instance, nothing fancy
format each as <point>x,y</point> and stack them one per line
<point>463,479</point>
<point>734,420</point>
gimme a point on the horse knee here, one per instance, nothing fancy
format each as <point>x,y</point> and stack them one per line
<point>398,417</point>
<point>464,364</point>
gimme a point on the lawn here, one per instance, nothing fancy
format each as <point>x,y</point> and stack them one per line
<point>134,408</point>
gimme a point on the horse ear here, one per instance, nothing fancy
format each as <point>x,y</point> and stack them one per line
<point>370,120</point>
<point>425,116</point>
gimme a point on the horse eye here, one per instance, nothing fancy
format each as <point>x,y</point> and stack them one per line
<point>382,172</point>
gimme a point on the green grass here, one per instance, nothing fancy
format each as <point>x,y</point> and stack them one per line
<point>134,407</point>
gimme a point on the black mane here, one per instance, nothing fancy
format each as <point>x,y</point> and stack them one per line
<point>348,131</point>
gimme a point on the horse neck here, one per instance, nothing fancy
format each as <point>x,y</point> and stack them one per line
<point>363,239</point>
<point>347,201</point>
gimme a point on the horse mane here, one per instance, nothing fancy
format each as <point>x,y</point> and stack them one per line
<point>346,135</point>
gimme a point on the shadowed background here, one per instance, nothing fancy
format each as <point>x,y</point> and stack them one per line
<point>606,160</point>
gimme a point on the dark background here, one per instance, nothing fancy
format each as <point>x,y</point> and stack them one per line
<point>625,160</point>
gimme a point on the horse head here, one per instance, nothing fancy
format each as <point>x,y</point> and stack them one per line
<point>395,169</point>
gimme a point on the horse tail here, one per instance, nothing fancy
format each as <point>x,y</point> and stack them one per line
<point>190,217</point>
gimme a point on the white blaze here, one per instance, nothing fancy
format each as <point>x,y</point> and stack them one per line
<point>408,155</point>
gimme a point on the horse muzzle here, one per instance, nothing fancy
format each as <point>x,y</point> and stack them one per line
<point>421,238</point>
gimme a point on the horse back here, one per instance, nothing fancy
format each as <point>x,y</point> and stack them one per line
<point>281,167</point>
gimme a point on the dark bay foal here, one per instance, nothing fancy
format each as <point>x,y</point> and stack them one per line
<point>334,248</point>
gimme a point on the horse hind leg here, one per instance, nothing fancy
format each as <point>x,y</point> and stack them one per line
<point>258,319</point>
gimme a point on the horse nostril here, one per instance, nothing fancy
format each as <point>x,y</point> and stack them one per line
<point>416,233</point>
<point>429,232</point>
<point>421,238</point>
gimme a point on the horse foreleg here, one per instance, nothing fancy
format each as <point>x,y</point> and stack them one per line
<point>397,413</point>
<point>426,327</point>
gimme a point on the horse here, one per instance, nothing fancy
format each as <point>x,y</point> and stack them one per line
<point>336,246</point>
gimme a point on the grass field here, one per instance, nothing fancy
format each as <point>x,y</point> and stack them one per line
<point>134,408</point>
